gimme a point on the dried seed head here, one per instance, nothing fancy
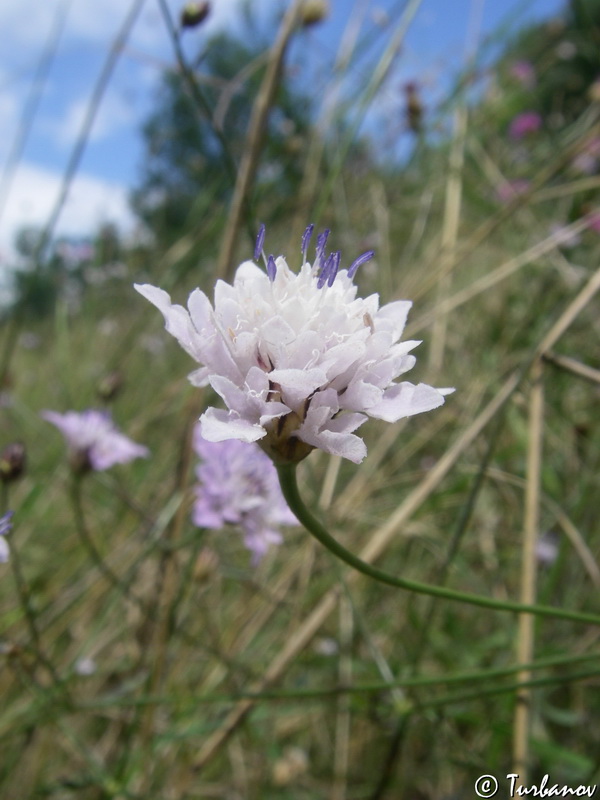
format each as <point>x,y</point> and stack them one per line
<point>313,12</point>
<point>110,385</point>
<point>194,14</point>
<point>13,461</point>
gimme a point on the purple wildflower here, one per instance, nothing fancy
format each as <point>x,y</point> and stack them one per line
<point>546,548</point>
<point>524,73</point>
<point>94,441</point>
<point>5,527</point>
<point>586,162</point>
<point>594,222</point>
<point>508,190</point>
<point>238,485</point>
<point>524,124</point>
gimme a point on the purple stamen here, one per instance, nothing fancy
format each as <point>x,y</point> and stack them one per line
<point>335,265</point>
<point>5,523</point>
<point>306,239</point>
<point>320,249</point>
<point>325,271</point>
<point>359,262</point>
<point>260,240</point>
<point>271,268</point>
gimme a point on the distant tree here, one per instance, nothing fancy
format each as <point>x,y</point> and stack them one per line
<point>187,173</point>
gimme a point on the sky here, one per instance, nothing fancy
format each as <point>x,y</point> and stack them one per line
<point>54,52</point>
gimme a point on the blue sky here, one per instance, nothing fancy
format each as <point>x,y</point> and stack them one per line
<point>433,51</point>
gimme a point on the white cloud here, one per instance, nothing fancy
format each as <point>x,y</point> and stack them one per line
<point>90,203</point>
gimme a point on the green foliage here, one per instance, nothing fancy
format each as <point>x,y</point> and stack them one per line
<point>565,54</point>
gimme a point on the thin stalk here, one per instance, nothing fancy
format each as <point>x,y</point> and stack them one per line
<point>451,222</point>
<point>371,687</point>
<point>166,594</point>
<point>574,367</point>
<point>25,598</point>
<point>255,138</point>
<point>89,544</point>
<point>526,631</point>
<point>95,100</point>
<point>343,716</point>
<point>289,487</point>
<point>200,102</point>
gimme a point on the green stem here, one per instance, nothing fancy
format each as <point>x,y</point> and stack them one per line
<point>88,542</point>
<point>289,487</point>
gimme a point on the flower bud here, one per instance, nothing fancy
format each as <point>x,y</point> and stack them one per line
<point>12,462</point>
<point>313,12</point>
<point>194,14</point>
<point>291,766</point>
<point>110,385</point>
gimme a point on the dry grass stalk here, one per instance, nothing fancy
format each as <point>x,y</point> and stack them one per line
<point>494,277</point>
<point>576,367</point>
<point>526,623</point>
<point>256,130</point>
<point>449,237</point>
<point>343,718</point>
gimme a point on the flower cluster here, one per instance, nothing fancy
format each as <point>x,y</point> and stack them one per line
<point>93,439</point>
<point>299,360</point>
<point>238,485</point>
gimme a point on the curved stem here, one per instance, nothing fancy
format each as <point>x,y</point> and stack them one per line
<point>88,542</point>
<point>289,487</point>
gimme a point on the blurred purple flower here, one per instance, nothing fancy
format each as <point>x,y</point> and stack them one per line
<point>524,124</point>
<point>238,485</point>
<point>507,190</point>
<point>5,527</point>
<point>566,238</point>
<point>546,548</point>
<point>594,222</point>
<point>587,161</point>
<point>524,73</point>
<point>94,441</point>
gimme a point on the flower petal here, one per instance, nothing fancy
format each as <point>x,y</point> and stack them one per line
<point>218,425</point>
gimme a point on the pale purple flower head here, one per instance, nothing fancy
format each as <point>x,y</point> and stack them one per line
<point>586,162</point>
<point>5,527</point>
<point>565,238</point>
<point>507,190</point>
<point>524,73</point>
<point>238,485</point>
<point>524,124</point>
<point>299,360</point>
<point>594,222</point>
<point>93,439</point>
<point>546,548</point>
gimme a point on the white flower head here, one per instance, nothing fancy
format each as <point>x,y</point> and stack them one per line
<point>298,359</point>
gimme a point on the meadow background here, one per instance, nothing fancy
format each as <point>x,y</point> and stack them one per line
<point>142,657</point>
